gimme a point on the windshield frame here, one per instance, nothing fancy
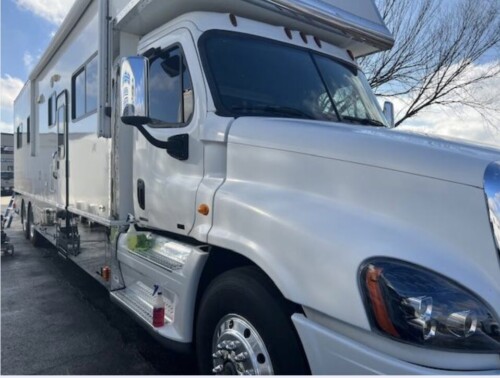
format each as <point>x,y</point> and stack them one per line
<point>223,111</point>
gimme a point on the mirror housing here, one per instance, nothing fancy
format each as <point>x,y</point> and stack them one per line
<point>389,113</point>
<point>134,100</point>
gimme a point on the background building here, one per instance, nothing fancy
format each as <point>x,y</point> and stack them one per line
<point>7,142</point>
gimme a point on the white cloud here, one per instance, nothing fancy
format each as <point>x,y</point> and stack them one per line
<point>6,127</point>
<point>31,60</point>
<point>28,60</point>
<point>10,88</point>
<point>53,11</point>
<point>459,121</point>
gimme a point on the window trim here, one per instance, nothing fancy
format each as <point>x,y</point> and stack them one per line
<point>171,125</point>
<point>79,70</point>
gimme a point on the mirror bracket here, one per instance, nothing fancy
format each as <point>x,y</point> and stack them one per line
<point>178,146</point>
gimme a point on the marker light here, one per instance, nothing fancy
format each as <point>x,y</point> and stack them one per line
<point>414,305</point>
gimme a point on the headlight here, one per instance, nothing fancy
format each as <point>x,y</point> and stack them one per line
<point>492,191</point>
<point>417,306</point>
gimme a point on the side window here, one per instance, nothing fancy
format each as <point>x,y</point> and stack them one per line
<point>79,94</point>
<point>52,110</point>
<point>19,136</point>
<point>28,131</point>
<point>171,100</point>
<point>84,87</point>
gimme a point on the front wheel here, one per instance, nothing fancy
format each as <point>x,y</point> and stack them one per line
<point>244,327</point>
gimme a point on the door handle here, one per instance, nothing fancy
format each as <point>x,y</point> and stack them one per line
<point>55,165</point>
<point>141,193</point>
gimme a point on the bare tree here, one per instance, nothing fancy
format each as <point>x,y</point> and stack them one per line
<point>437,47</point>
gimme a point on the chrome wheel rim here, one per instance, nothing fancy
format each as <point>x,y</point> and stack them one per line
<point>238,349</point>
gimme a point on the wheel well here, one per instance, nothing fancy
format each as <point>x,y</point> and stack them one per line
<point>221,260</point>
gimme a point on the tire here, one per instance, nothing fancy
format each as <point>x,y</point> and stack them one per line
<point>25,222</point>
<point>246,302</point>
<point>34,235</point>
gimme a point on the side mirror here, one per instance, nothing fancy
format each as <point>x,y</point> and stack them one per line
<point>134,99</point>
<point>389,113</point>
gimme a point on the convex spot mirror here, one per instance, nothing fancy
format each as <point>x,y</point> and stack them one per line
<point>389,113</point>
<point>134,101</point>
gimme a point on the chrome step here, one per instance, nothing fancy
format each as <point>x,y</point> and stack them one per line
<point>138,299</point>
<point>172,265</point>
<point>163,252</point>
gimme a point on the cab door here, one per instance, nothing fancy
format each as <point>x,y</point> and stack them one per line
<point>165,186</point>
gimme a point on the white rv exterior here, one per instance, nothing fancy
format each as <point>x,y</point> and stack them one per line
<point>288,226</point>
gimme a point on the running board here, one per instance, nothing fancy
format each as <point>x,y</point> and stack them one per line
<point>174,267</point>
<point>138,299</point>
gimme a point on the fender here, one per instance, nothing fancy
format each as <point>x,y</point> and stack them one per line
<point>309,222</point>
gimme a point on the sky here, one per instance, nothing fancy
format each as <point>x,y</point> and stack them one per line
<point>27,26</point>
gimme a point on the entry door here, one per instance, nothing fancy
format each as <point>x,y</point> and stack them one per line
<point>62,154</point>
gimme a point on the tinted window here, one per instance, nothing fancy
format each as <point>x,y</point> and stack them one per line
<point>84,90</point>
<point>256,76</point>
<point>28,130</point>
<point>350,91</point>
<point>52,110</point>
<point>19,136</point>
<point>252,77</point>
<point>91,85</point>
<point>79,95</point>
<point>170,92</point>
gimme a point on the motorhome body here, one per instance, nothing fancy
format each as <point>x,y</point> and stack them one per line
<point>237,194</point>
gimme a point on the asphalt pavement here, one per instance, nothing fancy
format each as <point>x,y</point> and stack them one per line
<point>56,319</point>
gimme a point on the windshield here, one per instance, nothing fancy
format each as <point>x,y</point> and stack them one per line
<point>250,75</point>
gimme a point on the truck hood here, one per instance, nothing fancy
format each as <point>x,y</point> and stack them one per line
<point>417,154</point>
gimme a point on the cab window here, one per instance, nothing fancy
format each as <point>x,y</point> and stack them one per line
<point>170,89</point>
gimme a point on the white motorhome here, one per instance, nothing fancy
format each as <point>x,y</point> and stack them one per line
<point>231,155</point>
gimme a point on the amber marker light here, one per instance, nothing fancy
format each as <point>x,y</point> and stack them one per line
<point>379,309</point>
<point>203,209</point>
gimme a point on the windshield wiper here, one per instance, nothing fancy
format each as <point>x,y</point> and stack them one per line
<point>364,121</point>
<point>274,109</point>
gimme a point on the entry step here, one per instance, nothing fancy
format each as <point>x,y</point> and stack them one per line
<point>138,299</point>
<point>163,252</point>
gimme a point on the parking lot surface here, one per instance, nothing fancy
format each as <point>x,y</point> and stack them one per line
<point>56,319</point>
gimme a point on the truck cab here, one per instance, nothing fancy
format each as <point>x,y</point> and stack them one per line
<point>250,175</point>
<point>298,176</point>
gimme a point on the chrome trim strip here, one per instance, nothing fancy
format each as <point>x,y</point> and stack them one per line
<point>492,192</point>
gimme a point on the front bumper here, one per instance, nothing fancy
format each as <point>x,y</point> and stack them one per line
<point>329,352</point>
